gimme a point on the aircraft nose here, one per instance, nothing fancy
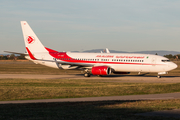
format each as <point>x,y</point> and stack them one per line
<point>173,66</point>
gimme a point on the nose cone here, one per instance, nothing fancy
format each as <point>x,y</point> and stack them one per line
<point>173,66</point>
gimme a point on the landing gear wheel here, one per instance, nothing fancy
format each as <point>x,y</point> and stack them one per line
<point>87,74</point>
<point>158,76</point>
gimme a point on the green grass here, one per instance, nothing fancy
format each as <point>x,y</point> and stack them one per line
<point>101,110</point>
<point>18,89</point>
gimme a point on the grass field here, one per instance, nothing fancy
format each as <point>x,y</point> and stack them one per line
<point>18,89</point>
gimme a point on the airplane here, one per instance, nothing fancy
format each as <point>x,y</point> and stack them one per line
<point>100,64</point>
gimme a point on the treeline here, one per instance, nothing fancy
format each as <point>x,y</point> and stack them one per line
<point>12,57</point>
<point>172,57</point>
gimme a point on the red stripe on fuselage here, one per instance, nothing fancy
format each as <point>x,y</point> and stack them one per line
<point>30,54</point>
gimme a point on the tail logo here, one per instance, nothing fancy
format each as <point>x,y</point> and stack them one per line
<point>30,39</point>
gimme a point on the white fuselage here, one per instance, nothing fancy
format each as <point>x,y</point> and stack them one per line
<point>119,62</point>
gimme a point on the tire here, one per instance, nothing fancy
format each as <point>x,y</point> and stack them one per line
<point>158,76</point>
<point>87,74</point>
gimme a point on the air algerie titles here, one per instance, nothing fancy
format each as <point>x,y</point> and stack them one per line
<point>111,56</point>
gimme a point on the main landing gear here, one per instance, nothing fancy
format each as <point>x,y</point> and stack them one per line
<point>87,73</point>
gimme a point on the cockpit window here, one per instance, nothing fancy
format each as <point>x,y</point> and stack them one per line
<point>165,60</point>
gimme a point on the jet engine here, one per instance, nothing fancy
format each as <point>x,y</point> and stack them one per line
<point>101,70</point>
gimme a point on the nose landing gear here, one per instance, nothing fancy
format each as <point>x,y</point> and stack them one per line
<point>158,76</point>
<point>161,73</point>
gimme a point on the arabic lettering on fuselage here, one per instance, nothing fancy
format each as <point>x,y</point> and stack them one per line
<point>127,57</point>
<point>138,57</point>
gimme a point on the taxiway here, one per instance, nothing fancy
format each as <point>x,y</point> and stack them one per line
<point>112,78</point>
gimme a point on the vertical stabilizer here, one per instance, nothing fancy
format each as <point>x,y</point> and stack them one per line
<point>32,42</point>
<point>107,50</point>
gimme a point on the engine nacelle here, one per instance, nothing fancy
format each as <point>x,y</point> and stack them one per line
<point>101,70</point>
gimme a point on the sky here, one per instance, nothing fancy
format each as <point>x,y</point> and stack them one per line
<point>78,25</point>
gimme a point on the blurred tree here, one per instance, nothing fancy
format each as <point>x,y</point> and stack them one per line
<point>22,57</point>
<point>12,57</point>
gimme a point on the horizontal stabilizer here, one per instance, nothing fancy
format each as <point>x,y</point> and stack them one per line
<point>16,53</point>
